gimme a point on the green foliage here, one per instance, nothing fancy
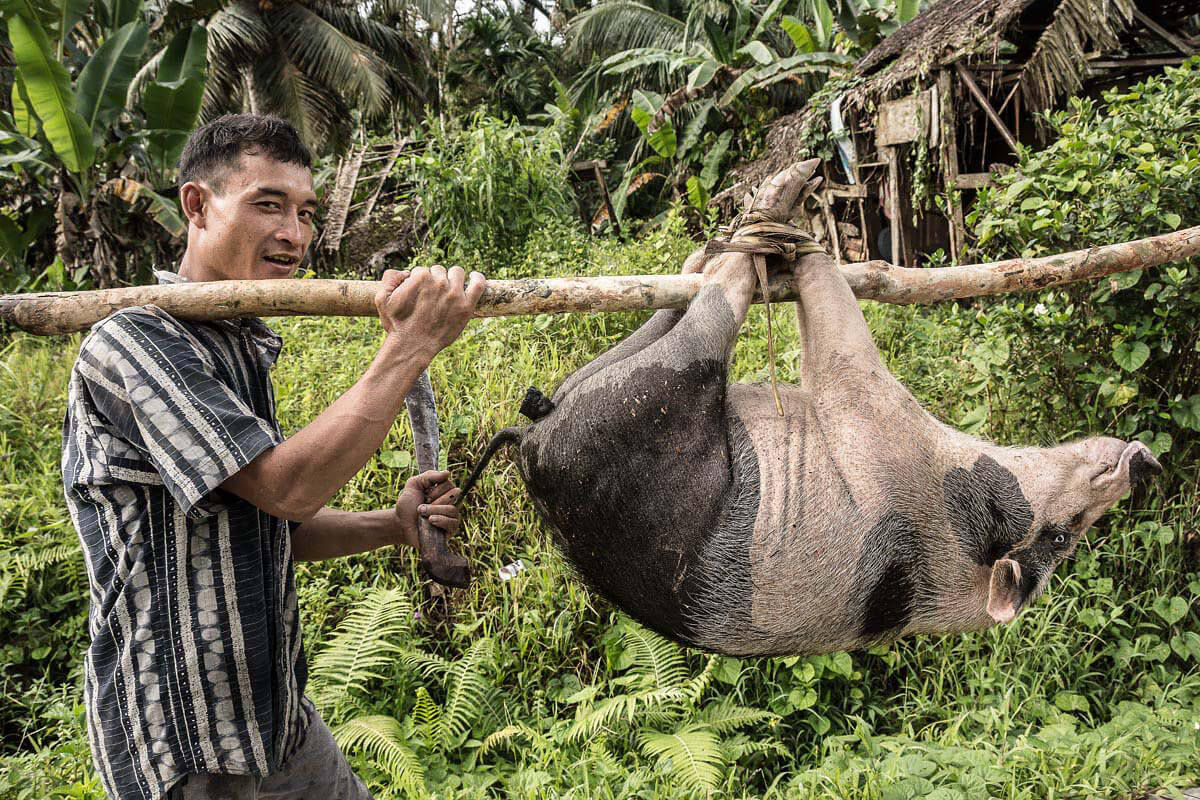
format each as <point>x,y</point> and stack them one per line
<point>1125,352</point>
<point>485,186</point>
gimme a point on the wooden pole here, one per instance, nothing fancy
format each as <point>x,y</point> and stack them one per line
<point>980,98</point>
<point>53,313</point>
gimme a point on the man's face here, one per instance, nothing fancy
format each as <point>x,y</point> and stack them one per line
<point>259,225</point>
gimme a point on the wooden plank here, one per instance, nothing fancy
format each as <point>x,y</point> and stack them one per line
<point>900,121</point>
<point>588,166</point>
<point>846,190</point>
<point>1168,37</point>
<point>894,222</point>
<point>1130,63</point>
<point>612,215</point>
<point>972,180</point>
<point>981,99</point>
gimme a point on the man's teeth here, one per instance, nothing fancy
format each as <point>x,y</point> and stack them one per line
<point>285,260</point>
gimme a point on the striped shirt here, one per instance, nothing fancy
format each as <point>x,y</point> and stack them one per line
<point>195,662</point>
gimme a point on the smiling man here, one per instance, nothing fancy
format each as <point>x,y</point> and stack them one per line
<point>191,505</point>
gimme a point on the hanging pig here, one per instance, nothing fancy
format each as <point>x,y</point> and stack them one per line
<point>852,519</point>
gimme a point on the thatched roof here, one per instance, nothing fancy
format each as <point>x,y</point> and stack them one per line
<point>1051,38</point>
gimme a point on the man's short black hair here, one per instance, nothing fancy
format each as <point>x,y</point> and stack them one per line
<point>216,148</point>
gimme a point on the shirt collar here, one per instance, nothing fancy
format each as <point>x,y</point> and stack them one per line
<point>266,341</point>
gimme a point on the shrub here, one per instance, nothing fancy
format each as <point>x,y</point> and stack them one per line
<point>485,186</point>
<point>1122,355</point>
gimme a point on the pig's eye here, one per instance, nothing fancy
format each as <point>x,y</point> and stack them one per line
<point>1060,539</point>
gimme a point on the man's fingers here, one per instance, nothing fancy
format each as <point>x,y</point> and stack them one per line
<point>387,284</point>
<point>456,277</point>
<point>441,496</point>
<point>475,287</point>
<point>430,509</point>
<point>448,524</point>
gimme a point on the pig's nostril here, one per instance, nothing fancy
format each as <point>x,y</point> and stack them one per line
<point>1142,467</point>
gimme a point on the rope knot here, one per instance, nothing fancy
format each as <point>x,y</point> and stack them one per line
<point>759,234</point>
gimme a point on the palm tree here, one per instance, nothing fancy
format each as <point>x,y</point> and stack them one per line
<point>311,62</point>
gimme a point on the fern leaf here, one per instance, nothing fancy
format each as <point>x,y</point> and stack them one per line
<point>382,738</point>
<point>360,648</point>
<point>652,653</point>
<point>504,736</point>
<point>427,714</point>
<point>695,753</point>
<point>726,716</point>
<point>427,665</point>
<point>466,692</point>
<point>602,715</point>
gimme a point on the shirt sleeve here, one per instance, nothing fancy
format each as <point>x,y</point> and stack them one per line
<point>157,387</point>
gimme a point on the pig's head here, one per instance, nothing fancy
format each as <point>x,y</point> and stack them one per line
<point>1034,505</point>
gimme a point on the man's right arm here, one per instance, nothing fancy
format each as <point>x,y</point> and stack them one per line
<point>422,313</point>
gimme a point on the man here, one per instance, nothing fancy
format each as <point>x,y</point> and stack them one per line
<point>191,505</point>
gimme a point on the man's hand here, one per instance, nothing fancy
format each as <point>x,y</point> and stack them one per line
<point>427,305</point>
<point>430,495</point>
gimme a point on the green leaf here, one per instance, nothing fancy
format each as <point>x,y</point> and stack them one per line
<point>712,161</point>
<point>1187,413</point>
<point>1131,355</point>
<point>48,87</point>
<point>396,459</point>
<point>100,91</point>
<point>696,193</point>
<point>662,141</point>
<point>11,248</point>
<point>123,12</point>
<point>694,752</point>
<point>759,52</point>
<point>171,110</point>
<point>1173,220</point>
<point>23,116</point>
<point>973,420</point>
<point>185,57</point>
<point>907,9</point>
<point>824,21</point>
<point>1070,701</point>
<point>1187,645</point>
<point>768,17</point>
<point>799,33</point>
<point>1171,609</point>
<point>702,74</point>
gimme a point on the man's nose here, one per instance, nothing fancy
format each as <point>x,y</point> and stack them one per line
<point>291,230</point>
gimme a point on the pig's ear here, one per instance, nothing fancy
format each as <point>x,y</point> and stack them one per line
<point>1004,590</point>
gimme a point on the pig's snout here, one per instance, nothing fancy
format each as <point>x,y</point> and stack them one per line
<point>1142,464</point>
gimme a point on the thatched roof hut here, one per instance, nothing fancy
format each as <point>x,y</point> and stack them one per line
<point>950,95</point>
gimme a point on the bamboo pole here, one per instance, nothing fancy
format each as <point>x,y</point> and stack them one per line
<point>55,313</point>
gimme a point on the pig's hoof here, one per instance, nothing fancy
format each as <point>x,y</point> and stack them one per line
<point>535,405</point>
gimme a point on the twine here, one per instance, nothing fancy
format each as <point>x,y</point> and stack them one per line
<point>760,235</point>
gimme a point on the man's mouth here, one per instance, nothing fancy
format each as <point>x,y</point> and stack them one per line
<point>283,260</point>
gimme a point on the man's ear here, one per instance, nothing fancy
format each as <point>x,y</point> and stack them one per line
<point>194,199</point>
<point>1004,591</point>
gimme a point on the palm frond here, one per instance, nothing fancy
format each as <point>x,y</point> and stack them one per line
<point>330,56</point>
<point>1055,68</point>
<point>382,738</point>
<point>360,648</point>
<point>616,25</point>
<point>695,754</point>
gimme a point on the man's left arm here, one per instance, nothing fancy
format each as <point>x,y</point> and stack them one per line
<point>331,533</point>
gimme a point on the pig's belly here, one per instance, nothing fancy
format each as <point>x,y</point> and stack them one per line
<point>804,540</point>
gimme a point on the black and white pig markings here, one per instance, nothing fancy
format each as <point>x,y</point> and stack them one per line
<point>855,518</point>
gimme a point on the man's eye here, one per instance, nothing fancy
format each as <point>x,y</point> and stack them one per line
<point>270,206</point>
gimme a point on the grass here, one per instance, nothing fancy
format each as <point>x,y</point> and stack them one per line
<point>1094,692</point>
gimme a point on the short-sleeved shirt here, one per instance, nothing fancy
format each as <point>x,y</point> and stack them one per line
<point>195,663</point>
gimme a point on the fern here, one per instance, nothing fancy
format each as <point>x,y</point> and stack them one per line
<point>466,693</point>
<point>427,715</point>
<point>726,716</point>
<point>695,752</point>
<point>655,655</point>
<point>383,739</point>
<point>360,648</point>
<point>16,569</point>
<point>506,735</point>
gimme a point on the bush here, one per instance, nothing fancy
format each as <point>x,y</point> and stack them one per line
<point>1123,355</point>
<point>485,186</point>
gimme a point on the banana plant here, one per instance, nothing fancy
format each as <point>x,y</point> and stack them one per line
<point>69,132</point>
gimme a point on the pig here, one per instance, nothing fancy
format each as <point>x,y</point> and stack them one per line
<point>852,519</point>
